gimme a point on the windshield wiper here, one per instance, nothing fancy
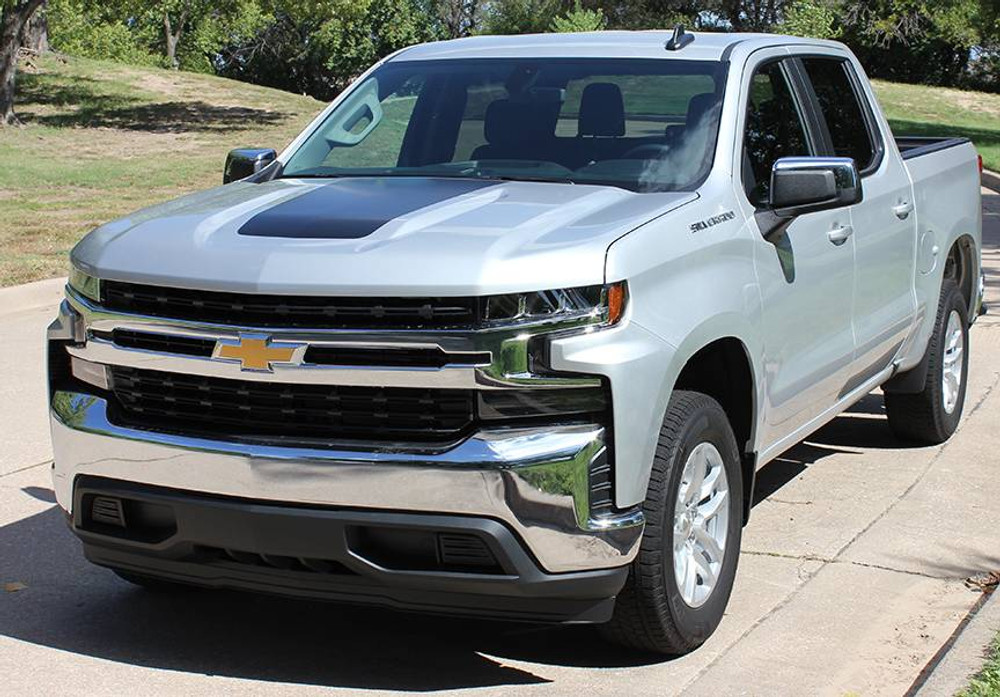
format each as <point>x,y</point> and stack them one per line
<point>517,178</point>
<point>310,176</point>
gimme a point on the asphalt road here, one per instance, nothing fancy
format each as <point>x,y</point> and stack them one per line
<point>852,578</point>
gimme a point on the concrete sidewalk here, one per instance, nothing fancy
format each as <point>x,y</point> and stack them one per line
<point>851,580</point>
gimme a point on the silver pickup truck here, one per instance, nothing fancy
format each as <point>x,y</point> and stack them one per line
<point>508,330</point>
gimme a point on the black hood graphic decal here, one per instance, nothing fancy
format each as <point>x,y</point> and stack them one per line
<point>352,208</point>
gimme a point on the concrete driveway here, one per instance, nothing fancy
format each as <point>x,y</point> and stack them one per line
<point>852,579</point>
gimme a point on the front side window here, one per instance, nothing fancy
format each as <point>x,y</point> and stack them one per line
<point>774,129</point>
<point>644,125</point>
<point>838,102</point>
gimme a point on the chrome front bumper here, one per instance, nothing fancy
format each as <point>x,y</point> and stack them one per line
<point>535,480</point>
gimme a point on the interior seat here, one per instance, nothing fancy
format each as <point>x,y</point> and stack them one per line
<point>600,125</point>
<point>518,130</point>
<point>698,106</point>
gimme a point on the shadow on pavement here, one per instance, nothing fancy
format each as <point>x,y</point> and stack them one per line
<point>862,426</point>
<point>73,606</point>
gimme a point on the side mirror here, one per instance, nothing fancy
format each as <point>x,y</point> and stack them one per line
<point>806,184</point>
<point>244,162</point>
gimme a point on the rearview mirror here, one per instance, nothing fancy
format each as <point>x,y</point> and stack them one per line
<point>243,162</point>
<point>806,184</point>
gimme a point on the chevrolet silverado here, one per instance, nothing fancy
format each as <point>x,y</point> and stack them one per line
<point>509,329</point>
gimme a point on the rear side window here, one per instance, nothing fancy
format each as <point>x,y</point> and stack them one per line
<point>774,129</point>
<point>841,109</point>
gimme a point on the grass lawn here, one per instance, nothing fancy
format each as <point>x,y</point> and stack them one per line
<point>103,139</point>
<point>986,683</point>
<point>916,110</point>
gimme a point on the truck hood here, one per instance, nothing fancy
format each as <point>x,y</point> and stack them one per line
<point>374,236</point>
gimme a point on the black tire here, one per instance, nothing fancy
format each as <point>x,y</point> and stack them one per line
<point>922,417</point>
<point>156,585</point>
<point>650,612</point>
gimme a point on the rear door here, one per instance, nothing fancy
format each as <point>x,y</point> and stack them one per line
<point>805,268</point>
<point>884,222</point>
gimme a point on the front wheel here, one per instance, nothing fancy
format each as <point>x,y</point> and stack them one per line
<point>680,582</point>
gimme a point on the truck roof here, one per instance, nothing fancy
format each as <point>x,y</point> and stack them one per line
<point>707,46</point>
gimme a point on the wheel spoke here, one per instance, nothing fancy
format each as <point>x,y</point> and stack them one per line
<point>690,576</point>
<point>696,471</point>
<point>951,382</point>
<point>708,484</point>
<point>952,357</point>
<point>680,537</point>
<point>711,508</point>
<point>708,543</point>
<point>705,571</point>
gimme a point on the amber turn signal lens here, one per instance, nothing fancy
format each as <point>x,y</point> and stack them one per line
<point>616,302</point>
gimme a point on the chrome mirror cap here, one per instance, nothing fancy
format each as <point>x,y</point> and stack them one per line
<point>802,185</point>
<point>244,162</point>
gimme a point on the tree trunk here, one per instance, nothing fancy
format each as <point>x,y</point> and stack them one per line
<point>12,21</point>
<point>172,37</point>
<point>35,36</point>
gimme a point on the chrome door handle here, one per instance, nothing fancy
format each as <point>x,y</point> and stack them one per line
<point>903,210</point>
<point>839,235</point>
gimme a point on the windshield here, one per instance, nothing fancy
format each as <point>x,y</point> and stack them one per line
<point>645,125</point>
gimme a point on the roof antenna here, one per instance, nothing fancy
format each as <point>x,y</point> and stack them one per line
<point>680,39</point>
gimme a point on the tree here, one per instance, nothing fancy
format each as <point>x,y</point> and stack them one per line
<point>926,41</point>
<point>14,16</point>
<point>579,19</point>
<point>318,48</point>
<point>459,18</point>
<point>804,18</point>
<point>751,15</point>
<point>180,17</point>
<point>35,35</point>
<point>520,16</point>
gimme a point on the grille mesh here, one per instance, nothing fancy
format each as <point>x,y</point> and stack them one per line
<point>233,408</point>
<point>288,310</point>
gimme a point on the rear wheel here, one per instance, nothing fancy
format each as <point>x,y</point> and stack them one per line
<point>680,582</point>
<point>932,415</point>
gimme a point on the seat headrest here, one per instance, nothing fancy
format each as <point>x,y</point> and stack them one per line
<point>699,105</point>
<point>602,110</point>
<point>510,122</point>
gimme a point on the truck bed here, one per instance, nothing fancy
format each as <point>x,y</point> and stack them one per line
<point>916,146</point>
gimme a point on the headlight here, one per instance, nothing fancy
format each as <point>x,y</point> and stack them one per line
<point>85,285</point>
<point>599,305</point>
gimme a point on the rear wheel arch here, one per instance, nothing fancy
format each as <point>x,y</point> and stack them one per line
<point>962,267</point>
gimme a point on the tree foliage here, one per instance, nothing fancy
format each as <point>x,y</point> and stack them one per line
<point>815,19</point>
<point>579,19</point>
<point>319,46</point>
<point>520,16</point>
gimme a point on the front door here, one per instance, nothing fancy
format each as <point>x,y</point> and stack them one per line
<point>805,268</point>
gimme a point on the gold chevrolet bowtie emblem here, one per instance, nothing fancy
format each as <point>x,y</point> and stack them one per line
<point>258,352</point>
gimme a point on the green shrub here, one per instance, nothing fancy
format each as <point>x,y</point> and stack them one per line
<point>75,30</point>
